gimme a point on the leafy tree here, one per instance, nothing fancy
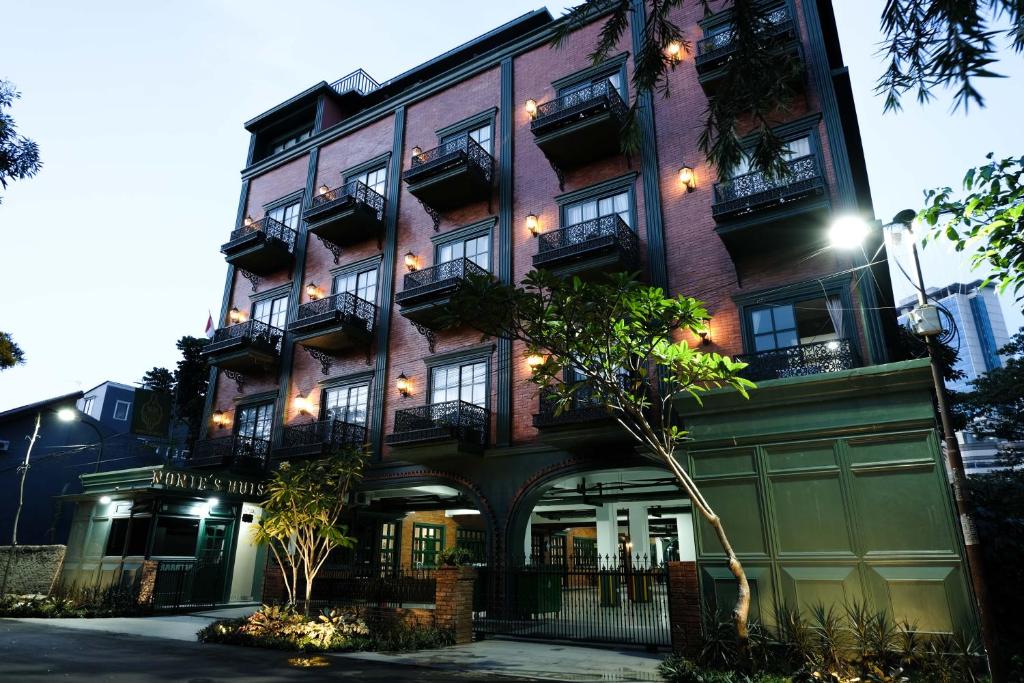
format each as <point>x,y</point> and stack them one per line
<point>159,379</point>
<point>622,341</point>
<point>987,220</point>
<point>19,156</point>
<point>913,346</point>
<point>995,404</point>
<point>191,377</point>
<point>301,521</point>
<point>10,353</point>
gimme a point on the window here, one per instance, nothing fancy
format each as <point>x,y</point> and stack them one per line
<point>117,536</point>
<point>375,179</point>
<point>287,214</point>
<point>255,421</point>
<point>273,312</point>
<point>289,140</point>
<point>476,249</point>
<point>461,382</point>
<point>427,544</point>
<point>481,135</point>
<point>176,536</point>
<point>794,149</point>
<point>386,547</point>
<point>615,78</point>
<point>363,284</point>
<point>473,540</point>
<point>808,321</point>
<point>347,404</point>
<point>121,410</point>
<point>87,404</point>
<point>589,209</point>
<point>128,536</point>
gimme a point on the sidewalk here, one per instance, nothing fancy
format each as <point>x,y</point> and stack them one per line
<point>173,627</point>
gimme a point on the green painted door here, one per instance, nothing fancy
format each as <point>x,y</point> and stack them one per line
<point>211,562</point>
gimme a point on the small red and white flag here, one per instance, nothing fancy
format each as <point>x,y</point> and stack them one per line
<point>209,325</point>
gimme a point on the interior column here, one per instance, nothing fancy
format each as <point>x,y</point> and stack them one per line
<point>607,534</point>
<point>639,534</point>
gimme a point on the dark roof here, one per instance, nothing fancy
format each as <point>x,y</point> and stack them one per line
<point>74,396</point>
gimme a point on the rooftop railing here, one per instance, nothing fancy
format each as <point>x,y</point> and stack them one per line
<point>358,81</point>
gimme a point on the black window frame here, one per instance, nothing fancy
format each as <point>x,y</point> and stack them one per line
<point>793,294</point>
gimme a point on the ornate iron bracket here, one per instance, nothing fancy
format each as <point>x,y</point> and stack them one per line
<point>325,359</point>
<point>559,173</point>
<point>237,377</point>
<point>434,215</point>
<point>334,248</point>
<point>253,278</point>
<point>429,334</point>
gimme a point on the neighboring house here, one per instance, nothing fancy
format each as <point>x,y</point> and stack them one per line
<point>365,205</point>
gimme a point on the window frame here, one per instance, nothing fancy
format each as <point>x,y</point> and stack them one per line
<point>295,197</point>
<point>484,118</point>
<point>463,357</point>
<point>793,294</point>
<point>379,162</point>
<point>346,386</point>
<point>597,72</point>
<point>255,402</point>
<point>127,410</point>
<point>484,228</point>
<point>805,126</point>
<point>441,542</point>
<point>624,183</point>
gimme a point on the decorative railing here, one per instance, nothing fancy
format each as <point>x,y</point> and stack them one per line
<point>595,234</point>
<point>796,361</point>
<point>601,96</point>
<point>333,433</point>
<point>776,22</point>
<point>456,151</point>
<point>358,81</point>
<point>465,421</point>
<point>270,227</point>
<point>755,188</point>
<point>251,332</point>
<point>236,449</point>
<point>345,305</point>
<point>354,191</point>
<point>442,276</point>
<point>585,405</point>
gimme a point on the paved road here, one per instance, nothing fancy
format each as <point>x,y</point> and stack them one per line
<point>35,652</point>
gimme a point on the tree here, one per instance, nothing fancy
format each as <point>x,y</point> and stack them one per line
<point>10,353</point>
<point>301,521</point>
<point>191,377</point>
<point>19,156</point>
<point>622,341</point>
<point>913,346</point>
<point>995,405</point>
<point>988,220</point>
<point>159,379</point>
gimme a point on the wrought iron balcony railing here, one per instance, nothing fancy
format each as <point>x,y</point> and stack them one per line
<point>332,433</point>
<point>598,234</point>
<point>343,306</point>
<point>715,48</point>
<point>358,81</point>
<point>805,359</point>
<point>247,451</point>
<point>462,149</point>
<point>752,190</point>
<point>585,407</point>
<point>270,227</point>
<point>421,283</point>
<point>249,332</point>
<point>351,193</point>
<point>460,420</point>
<point>578,105</point>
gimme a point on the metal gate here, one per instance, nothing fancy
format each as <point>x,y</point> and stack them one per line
<point>606,602</point>
<point>188,584</point>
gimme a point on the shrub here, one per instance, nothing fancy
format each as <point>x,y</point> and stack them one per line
<point>73,602</point>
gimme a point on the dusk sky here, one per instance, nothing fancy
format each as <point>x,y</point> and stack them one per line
<point>112,252</point>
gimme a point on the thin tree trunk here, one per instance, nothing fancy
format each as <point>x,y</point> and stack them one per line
<point>741,611</point>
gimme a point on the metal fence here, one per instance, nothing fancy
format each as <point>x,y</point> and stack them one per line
<point>368,587</point>
<point>603,602</point>
<point>188,584</point>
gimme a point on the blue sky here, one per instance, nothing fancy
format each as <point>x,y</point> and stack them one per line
<point>113,250</point>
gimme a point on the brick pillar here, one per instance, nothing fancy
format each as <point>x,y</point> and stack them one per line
<point>147,582</point>
<point>274,590</point>
<point>453,602</point>
<point>684,607</point>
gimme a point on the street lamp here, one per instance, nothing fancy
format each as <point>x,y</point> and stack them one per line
<point>848,232</point>
<point>72,415</point>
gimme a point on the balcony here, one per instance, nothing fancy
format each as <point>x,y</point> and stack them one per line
<point>425,294</point>
<point>715,51</point>
<point>245,347</point>
<point>235,452</point>
<point>345,216</point>
<point>452,175</point>
<point>804,359</point>
<point>335,323</point>
<point>601,245</point>
<point>755,212</point>
<point>261,247</point>
<point>440,430</point>
<point>319,439</point>
<point>584,423</point>
<point>580,127</point>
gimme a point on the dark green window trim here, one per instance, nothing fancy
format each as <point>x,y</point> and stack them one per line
<point>461,357</point>
<point>364,377</point>
<point>625,182</point>
<point>481,227</point>
<point>805,126</point>
<point>275,293</point>
<point>379,161</point>
<point>360,266</point>
<point>440,544</point>
<point>471,123</point>
<point>605,68</point>
<point>262,397</point>
<point>287,200</point>
<point>349,381</point>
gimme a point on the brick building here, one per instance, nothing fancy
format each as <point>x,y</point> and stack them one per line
<point>364,204</point>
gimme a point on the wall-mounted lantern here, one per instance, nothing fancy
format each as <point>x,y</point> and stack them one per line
<point>533,224</point>
<point>412,262</point>
<point>531,108</point>
<point>687,178</point>
<point>313,292</point>
<point>403,385</point>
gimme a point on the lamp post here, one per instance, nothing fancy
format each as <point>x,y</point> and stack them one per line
<point>847,232</point>
<point>72,415</point>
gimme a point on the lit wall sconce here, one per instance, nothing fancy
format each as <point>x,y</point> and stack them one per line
<point>235,316</point>
<point>220,419</point>
<point>531,108</point>
<point>674,51</point>
<point>533,224</point>
<point>302,404</point>
<point>324,190</point>
<point>705,336</point>
<point>416,151</point>
<point>313,292</point>
<point>411,262</point>
<point>687,178</point>
<point>534,360</point>
<point>403,385</point>
<point>247,221</point>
